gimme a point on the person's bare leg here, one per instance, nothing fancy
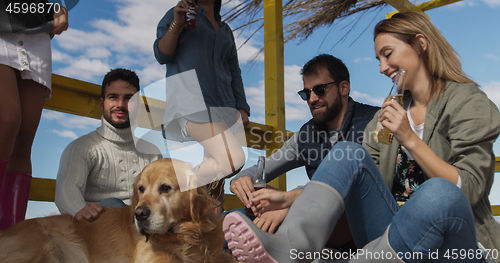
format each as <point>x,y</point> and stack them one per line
<point>16,184</point>
<point>10,111</point>
<point>223,157</point>
<point>21,103</point>
<point>32,97</point>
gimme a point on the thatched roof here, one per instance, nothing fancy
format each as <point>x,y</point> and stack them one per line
<point>307,15</point>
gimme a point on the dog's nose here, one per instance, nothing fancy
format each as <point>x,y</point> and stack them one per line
<point>142,213</point>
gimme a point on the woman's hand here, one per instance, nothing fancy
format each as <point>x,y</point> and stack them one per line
<point>268,199</point>
<point>271,220</point>
<point>60,22</point>
<point>181,9</point>
<point>244,117</point>
<point>394,117</point>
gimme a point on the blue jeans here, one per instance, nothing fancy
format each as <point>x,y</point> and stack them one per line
<point>436,219</point>
<point>112,202</point>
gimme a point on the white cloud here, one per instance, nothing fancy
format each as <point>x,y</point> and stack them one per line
<point>71,121</point>
<point>357,60</point>
<point>52,115</point>
<point>58,56</point>
<point>363,97</point>
<point>66,134</point>
<point>151,73</point>
<point>248,51</point>
<point>459,4</point>
<point>295,107</point>
<point>98,52</point>
<point>79,40</point>
<point>298,113</point>
<point>492,56</point>
<point>126,41</point>
<point>260,119</point>
<point>136,25</point>
<point>492,3</point>
<point>228,4</point>
<point>492,89</point>
<point>83,68</point>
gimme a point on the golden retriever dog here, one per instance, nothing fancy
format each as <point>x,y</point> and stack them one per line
<point>163,224</point>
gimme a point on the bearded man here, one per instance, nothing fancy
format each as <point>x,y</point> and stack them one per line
<point>335,117</point>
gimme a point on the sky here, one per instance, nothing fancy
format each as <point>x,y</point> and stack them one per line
<point>107,34</point>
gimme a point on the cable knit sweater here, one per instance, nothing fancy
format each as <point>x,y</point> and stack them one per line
<point>99,165</point>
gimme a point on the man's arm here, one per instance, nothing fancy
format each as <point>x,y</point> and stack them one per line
<point>74,169</point>
<point>89,212</point>
<point>282,161</point>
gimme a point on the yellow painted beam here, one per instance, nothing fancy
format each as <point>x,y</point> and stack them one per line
<point>232,202</point>
<point>74,97</point>
<point>82,98</point>
<point>274,79</point>
<point>427,6</point>
<point>42,189</point>
<point>435,3</point>
<point>405,6</point>
<point>496,210</point>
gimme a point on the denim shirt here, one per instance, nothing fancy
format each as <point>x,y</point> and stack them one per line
<point>212,53</point>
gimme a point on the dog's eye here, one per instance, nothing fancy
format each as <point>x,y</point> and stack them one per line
<point>141,189</point>
<point>165,188</point>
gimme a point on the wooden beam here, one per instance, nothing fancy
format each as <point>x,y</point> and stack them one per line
<point>75,97</point>
<point>42,189</point>
<point>496,210</point>
<point>82,98</point>
<point>405,6</point>
<point>427,6</point>
<point>274,79</point>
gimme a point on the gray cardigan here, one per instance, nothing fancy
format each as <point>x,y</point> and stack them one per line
<point>460,127</point>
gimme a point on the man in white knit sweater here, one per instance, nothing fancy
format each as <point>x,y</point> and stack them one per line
<point>98,169</point>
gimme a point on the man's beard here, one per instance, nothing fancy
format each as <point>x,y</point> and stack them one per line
<point>117,125</point>
<point>330,113</point>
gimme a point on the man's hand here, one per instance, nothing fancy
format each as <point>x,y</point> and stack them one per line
<point>242,188</point>
<point>90,212</point>
<point>271,220</point>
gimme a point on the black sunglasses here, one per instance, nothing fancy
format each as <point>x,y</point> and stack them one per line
<point>319,90</point>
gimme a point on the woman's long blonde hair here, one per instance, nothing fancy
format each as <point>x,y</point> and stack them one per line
<point>439,58</point>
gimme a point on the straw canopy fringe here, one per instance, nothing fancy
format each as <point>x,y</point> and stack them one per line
<point>306,15</point>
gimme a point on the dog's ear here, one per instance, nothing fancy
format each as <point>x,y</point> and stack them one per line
<point>200,203</point>
<point>135,195</point>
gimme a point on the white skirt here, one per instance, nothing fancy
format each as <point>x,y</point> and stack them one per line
<point>30,54</point>
<point>184,102</point>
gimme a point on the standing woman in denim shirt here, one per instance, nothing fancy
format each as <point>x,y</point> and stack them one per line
<point>25,74</point>
<point>210,51</point>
